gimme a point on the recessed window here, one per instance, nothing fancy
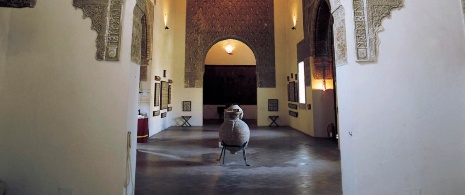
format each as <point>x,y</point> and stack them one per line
<point>301,80</point>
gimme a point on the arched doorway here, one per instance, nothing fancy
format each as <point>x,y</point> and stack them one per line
<point>323,74</point>
<point>229,78</point>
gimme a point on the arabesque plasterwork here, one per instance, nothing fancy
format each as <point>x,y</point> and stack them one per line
<point>340,40</point>
<point>106,21</point>
<point>368,15</point>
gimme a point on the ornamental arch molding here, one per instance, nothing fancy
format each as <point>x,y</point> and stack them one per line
<point>334,42</point>
<point>368,15</point>
<point>142,32</point>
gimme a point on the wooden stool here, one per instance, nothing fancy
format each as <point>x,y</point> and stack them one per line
<point>273,120</point>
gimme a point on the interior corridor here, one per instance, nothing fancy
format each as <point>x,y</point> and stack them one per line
<point>183,160</point>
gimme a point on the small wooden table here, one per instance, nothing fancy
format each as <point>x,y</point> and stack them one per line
<point>186,121</point>
<point>273,120</point>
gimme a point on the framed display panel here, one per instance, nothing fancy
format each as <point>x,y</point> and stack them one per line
<point>169,94</point>
<point>143,73</point>
<point>163,115</point>
<point>156,113</point>
<point>296,92</point>
<point>156,98</point>
<point>170,109</point>
<point>292,106</point>
<point>272,104</point>
<point>291,91</point>
<point>164,95</point>
<point>294,114</point>
<point>186,106</point>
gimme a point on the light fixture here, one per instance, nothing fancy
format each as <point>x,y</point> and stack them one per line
<point>229,49</point>
<point>166,21</point>
<point>294,20</point>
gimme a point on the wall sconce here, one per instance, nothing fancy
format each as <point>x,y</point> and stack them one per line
<point>294,20</point>
<point>166,21</point>
<point>229,49</point>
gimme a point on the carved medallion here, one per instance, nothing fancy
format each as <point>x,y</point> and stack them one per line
<point>17,3</point>
<point>106,21</point>
<point>368,15</point>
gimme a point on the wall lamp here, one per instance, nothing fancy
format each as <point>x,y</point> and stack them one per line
<point>166,21</point>
<point>229,49</point>
<point>294,19</point>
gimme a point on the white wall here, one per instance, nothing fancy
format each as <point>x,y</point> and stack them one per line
<point>406,111</point>
<point>64,116</point>
<point>183,94</point>
<point>323,109</point>
<point>163,59</point>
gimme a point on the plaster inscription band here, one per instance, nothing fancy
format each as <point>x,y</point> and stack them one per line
<point>368,23</point>
<point>106,21</point>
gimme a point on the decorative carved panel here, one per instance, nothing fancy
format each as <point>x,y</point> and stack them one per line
<point>17,3</point>
<point>368,15</point>
<point>340,42</point>
<point>106,20</point>
<point>142,32</point>
<point>210,21</point>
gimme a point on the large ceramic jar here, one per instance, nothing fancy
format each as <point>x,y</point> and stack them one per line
<point>234,106</point>
<point>234,131</point>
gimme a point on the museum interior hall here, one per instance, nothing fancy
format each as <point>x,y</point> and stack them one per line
<point>354,97</point>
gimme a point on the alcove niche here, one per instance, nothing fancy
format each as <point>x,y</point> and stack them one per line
<point>230,78</point>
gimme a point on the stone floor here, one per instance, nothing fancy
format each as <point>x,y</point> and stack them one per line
<point>183,160</point>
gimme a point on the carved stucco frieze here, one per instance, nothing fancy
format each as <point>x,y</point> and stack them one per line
<point>17,3</point>
<point>340,40</point>
<point>106,21</point>
<point>368,15</point>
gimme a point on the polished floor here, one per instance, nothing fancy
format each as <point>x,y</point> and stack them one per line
<point>183,160</point>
